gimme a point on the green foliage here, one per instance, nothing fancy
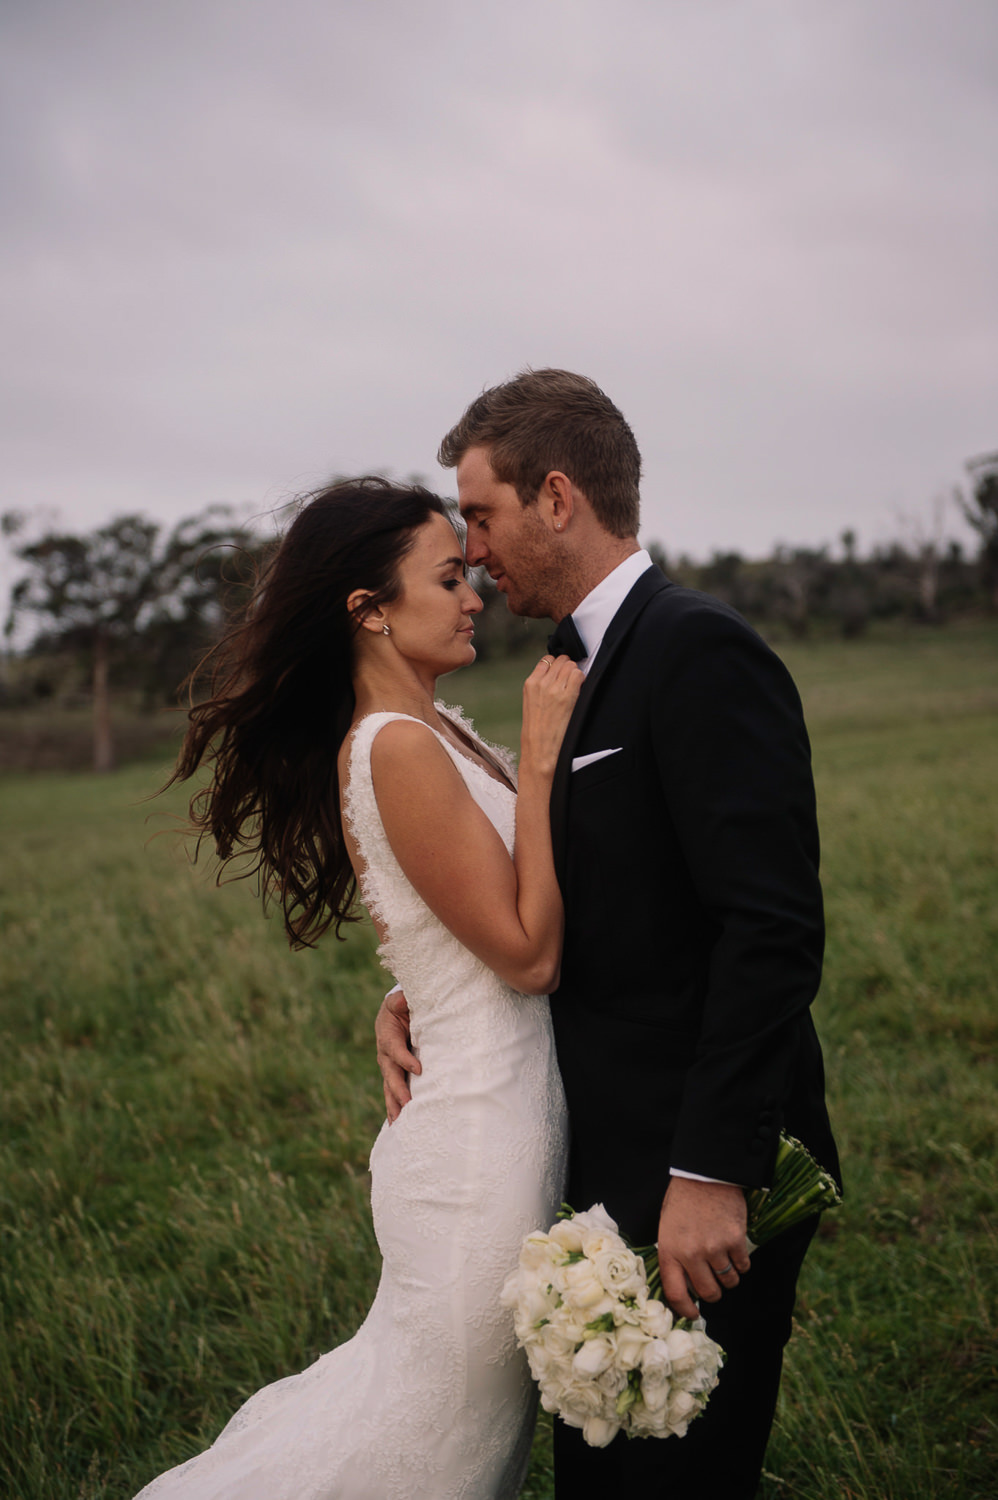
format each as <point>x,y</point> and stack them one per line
<point>187,1110</point>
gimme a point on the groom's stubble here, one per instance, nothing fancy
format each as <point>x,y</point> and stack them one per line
<point>543,584</point>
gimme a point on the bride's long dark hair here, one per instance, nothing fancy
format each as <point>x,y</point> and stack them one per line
<point>280,701</point>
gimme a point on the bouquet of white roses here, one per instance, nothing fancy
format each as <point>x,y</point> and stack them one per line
<point>606,1352</point>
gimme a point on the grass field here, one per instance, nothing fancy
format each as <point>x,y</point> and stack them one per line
<point>187,1110</point>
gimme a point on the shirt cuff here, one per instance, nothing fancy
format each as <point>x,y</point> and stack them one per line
<point>699,1177</point>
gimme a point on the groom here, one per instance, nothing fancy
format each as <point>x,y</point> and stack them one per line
<point>684,832</point>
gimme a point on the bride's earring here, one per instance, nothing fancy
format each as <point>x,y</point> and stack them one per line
<point>385,630</point>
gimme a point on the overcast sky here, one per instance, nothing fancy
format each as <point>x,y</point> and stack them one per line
<point>252,243</point>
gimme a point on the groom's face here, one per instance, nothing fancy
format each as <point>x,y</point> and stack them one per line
<point>507,538</point>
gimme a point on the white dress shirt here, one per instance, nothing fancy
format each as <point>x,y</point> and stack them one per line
<point>592,617</point>
<point>592,620</point>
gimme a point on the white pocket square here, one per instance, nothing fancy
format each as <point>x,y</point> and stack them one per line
<point>587,760</point>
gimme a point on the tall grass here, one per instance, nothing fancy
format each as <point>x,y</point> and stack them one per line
<point>187,1110</point>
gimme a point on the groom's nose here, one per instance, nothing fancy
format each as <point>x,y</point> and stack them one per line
<point>475,550</point>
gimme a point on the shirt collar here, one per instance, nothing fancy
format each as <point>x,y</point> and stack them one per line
<point>592,617</point>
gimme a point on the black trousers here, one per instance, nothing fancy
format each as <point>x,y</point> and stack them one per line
<point>723,1450</point>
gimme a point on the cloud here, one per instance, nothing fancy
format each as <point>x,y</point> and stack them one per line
<point>255,244</point>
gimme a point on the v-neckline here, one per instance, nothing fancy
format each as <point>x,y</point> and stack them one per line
<point>484,761</point>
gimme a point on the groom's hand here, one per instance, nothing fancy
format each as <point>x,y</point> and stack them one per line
<point>395,1059</point>
<point>701,1233</point>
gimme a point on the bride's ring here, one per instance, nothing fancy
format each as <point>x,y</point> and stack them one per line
<point>548,661</point>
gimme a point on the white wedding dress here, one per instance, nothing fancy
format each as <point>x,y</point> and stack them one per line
<point>431,1398</point>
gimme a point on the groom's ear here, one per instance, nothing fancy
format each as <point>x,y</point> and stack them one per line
<point>556,500</point>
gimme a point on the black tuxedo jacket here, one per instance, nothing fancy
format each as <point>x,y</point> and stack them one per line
<point>688,861</point>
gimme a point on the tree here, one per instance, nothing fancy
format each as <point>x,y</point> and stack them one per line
<point>799,577</point>
<point>982,515</point>
<point>111,593</point>
<point>11,523</point>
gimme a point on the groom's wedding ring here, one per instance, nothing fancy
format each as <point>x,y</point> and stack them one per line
<point>724,1270</point>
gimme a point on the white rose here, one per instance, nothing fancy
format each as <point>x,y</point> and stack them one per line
<point>682,1409</point>
<point>709,1360</point>
<point>599,1431</point>
<point>567,1236</point>
<point>708,1350</point>
<point>585,1399</point>
<point>656,1398</point>
<point>596,1219</point>
<point>533,1313</point>
<point>630,1344</point>
<point>601,1242</point>
<point>557,1339</point>
<point>510,1293</point>
<point>593,1358</point>
<point>612,1381</point>
<point>629,1311</point>
<point>537,1252</point>
<point>656,1363</point>
<point>656,1318</point>
<point>553,1400</point>
<point>537,1302</point>
<point>646,1423</point>
<point>682,1351</point>
<point>621,1271</point>
<point>540,1361</point>
<point>701,1382</point>
<point>580,1286</point>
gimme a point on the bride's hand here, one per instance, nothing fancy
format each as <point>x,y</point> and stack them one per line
<point>549,696</point>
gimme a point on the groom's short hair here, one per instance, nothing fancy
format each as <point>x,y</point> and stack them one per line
<point>551,419</point>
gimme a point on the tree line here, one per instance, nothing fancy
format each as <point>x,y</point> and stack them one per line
<point>129,608</point>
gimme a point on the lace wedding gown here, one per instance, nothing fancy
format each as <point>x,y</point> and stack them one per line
<point>431,1398</point>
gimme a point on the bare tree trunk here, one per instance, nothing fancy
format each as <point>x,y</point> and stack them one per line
<point>928,582</point>
<point>103,743</point>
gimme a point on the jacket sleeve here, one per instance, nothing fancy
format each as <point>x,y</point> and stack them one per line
<point>734,760</point>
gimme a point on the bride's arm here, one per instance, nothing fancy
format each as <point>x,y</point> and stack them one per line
<point>507,911</point>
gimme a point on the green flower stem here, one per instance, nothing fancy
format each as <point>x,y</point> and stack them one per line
<point>800,1188</point>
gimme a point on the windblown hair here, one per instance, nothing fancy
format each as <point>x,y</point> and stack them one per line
<point>281,699</point>
<point>551,419</point>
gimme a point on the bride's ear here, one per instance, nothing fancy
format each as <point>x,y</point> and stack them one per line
<point>364,613</point>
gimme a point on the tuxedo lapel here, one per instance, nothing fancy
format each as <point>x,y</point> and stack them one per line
<point>650,583</point>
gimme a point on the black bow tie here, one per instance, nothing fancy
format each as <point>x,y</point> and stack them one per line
<point>566,640</point>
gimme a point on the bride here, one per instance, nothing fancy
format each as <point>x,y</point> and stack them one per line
<point>363,607</point>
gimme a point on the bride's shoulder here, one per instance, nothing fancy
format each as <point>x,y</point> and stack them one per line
<point>398,746</point>
<point>388,757</point>
<point>385,729</point>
